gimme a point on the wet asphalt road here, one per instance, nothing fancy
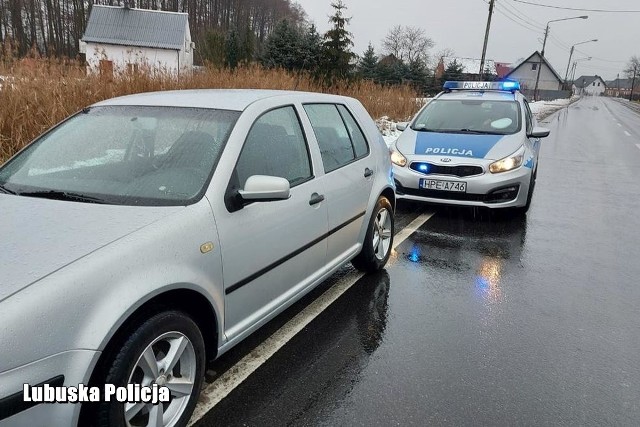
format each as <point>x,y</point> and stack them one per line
<point>480,319</point>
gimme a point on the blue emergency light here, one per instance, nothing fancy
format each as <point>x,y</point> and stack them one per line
<point>506,85</point>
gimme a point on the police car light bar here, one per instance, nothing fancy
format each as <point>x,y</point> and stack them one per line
<point>509,86</point>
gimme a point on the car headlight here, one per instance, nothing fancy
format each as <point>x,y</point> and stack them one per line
<point>397,158</point>
<point>509,163</point>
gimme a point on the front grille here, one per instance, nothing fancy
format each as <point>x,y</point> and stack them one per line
<point>459,171</point>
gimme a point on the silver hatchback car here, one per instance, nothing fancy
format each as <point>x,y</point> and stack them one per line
<point>150,233</point>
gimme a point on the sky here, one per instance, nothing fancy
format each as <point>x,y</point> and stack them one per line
<point>517,29</point>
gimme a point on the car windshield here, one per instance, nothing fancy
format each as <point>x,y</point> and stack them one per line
<point>131,155</point>
<point>469,116</point>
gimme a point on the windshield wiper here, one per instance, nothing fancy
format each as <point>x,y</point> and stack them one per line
<point>472,131</point>
<point>423,129</point>
<point>62,195</point>
<point>5,190</point>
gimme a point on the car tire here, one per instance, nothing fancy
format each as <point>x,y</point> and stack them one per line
<point>378,240</point>
<point>166,334</point>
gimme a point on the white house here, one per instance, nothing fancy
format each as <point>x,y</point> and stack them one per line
<point>526,72</point>
<point>122,39</point>
<point>589,85</point>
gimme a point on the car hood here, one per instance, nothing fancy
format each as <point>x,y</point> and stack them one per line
<point>40,236</point>
<point>472,146</point>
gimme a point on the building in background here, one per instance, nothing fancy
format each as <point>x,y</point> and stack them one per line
<point>589,85</point>
<point>620,88</point>
<point>122,39</point>
<point>526,72</point>
<point>470,67</point>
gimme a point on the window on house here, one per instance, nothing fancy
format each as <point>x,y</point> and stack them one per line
<point>534,66</point>
<point>594,83</point>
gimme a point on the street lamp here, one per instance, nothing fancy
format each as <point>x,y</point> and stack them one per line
<point>566,74</point>
<point>544,45</point>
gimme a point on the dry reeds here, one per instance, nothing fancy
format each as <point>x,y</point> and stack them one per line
<point>36,94</point>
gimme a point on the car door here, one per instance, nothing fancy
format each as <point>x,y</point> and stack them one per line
<point>349,169</point>
<point>271,249</point>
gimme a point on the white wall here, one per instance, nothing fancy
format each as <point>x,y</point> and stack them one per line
<point>526,75</point>
<point>596,88</point>
<point>186,53</point>
<point>155,59</point>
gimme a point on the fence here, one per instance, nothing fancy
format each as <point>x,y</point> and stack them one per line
<point>547,95</point>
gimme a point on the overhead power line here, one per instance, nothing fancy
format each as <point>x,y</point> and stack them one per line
<point>576,8</point>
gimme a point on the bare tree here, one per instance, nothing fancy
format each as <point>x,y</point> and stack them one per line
<point>394,41</point>
<point>407,43</point>
<point>632,71</point>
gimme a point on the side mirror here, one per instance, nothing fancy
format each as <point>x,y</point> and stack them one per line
<point>402,126</point>
<point>539,132</point>
<point>263,188</point>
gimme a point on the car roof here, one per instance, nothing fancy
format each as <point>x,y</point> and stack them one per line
<point>224,99</point>
<point>488,95</point>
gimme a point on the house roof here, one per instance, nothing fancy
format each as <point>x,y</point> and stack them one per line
<point>584,81</point>
<point>528,60</point>
<point>469,65</point>
<point>502,69</point>
<point>136,27</point>
<point>620,83</point>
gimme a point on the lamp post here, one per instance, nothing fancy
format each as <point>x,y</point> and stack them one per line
<point>544,45</point>
<point>566,74</point>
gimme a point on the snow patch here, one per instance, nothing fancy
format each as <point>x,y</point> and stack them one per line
<point>542,109</point>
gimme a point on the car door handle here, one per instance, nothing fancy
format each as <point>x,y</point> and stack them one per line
<point>315,199</point>
<point>368,172</point>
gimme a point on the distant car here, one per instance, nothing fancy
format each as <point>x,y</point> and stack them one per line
<point>150,233</point>
<point>475,144</point>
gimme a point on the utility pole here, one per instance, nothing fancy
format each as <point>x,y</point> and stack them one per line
<point>633,82</point>
<point>544,45</point>
<point>566,74</point>
<point>486,38</point>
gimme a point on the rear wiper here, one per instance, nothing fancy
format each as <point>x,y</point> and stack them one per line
<point>62,195</point>
<point>5,190</point>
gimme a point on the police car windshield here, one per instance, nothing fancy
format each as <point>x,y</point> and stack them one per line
<point>476,116</point>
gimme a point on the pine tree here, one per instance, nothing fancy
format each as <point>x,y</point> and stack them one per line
<point>453,71</point>
<point>337,46</point>
<point>311,49</point>
<point>283,48</point>
<point>232,50</point>
<point>368,65</point>
<point>418,75</point>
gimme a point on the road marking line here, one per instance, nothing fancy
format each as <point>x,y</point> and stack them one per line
<point>627,133</point>
<point>235,375</point>
<point>638,145</point>
<point>619,125</point>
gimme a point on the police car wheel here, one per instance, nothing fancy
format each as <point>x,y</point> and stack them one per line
<point>166,350</point>
<point>378,241</point>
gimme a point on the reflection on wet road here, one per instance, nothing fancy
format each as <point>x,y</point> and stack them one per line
<point>485,320</point>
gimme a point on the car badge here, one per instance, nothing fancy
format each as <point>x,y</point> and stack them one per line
<point>445,160</point>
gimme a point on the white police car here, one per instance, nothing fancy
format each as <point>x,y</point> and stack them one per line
<point>474,144</point>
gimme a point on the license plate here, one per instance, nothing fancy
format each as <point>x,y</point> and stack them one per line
<point>436,184</point>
